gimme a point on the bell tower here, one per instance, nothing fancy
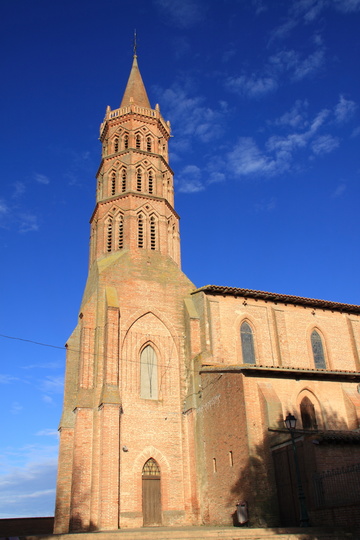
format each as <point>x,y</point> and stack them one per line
<point>126,454</point>
<point>135,193</point>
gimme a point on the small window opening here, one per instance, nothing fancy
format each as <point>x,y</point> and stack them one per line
<point>152,233</point>
<point>140,232</point>
<point>138,141</point>
<point>138,180</point>
<point>151,182</point>
<point>109,236</point>
<point>214,465</point>
<point>126,142</point>
<point>231,460</point>
<point>148,144</point>
<point>247,344</point>
<point>123,180</point>
<point>116,145</point>
<point>318,350</point>
<point>121,233</point>
<point>113,183</point>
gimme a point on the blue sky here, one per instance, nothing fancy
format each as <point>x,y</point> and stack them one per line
<point>263,98</point>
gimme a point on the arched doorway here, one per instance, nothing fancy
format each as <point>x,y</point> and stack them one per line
<point>151,493</point>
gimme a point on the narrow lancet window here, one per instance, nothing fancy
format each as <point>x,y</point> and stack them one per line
<point>138,180</point>
<point>148,373</point>
<point>138,141</point>
<point>151,182</point>
<point>109,233</point>
<point>123,180</point>
<point>121,232</point>
<point>116,145</point>
<point>140,231</point>
<point>113,183</point>
<point>318,350</point>
<point>247,343</point>
<point>126,142</point>
<point>152,233</point>
<point>148,144</point>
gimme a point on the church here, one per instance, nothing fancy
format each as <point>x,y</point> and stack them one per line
<point>175,396</point>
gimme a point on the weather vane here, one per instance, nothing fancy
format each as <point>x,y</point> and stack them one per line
<point>135,44</point>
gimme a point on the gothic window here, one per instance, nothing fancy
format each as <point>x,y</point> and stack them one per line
<point>109,234</point>
<point>152,233</point>
<point>148,144</point>
<point>121,232</point>
<point>247,343</point>
<point>126,141</point>
<point>140,231</point>
<point>138,141</point>
<point>148,373</point>
<point>318,350</point>
<point>113,183</point>
<point>307,411</point>
<point>116,144</point>
<point>151,182</point>
<point>123,180</point>
<point>138,180</point>
<point>151,468</point>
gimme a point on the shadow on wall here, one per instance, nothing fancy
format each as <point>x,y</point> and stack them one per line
<point>267,481</point>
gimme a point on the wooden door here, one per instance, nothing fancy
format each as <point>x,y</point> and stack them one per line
<point>151,494</point>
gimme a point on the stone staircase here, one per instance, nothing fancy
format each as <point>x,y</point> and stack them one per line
<point>206,533</point>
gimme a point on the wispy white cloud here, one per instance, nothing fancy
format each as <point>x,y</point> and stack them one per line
<point>41,178</point>
<point>296,117</point>
<point>27,222</point>
<point>339,191</point>
<point>52,384</point>
<point>309,65</point>
<point>7,379</point>
<point>48,432</point>
<point>324,144</point>
<point>16,407</point>
<point>19,189</point>
<point>181,13</point>
<point>252,85</point>
<point>344,110</point>
<point>189,180</point>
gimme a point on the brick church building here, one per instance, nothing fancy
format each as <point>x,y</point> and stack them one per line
<point>172,392</point>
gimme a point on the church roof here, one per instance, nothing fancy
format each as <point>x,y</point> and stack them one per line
<point>275,297</point>
<point>135,90</point>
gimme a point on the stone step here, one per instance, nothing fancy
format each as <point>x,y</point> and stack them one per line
<point>202,533</point>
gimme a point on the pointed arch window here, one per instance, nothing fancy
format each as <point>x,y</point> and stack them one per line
<point>151,182</point>
<point>123,180</point>
<point>138,180</point>
<point>151,468</point>
<point>138,141</point>
<point>140,231</point>
<point>152,233</point>
<point>148,144</point>
<point>121,232</point>
<point>109,235</point>
<point>116,144</point>
<point>148,373</point>
<point>308,416</point>
<point>126,141</point>
<point>318,350</point>
<point>247,343</point>
<point>113,183</point>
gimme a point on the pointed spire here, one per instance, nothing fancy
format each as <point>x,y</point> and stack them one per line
<point>135,90</point>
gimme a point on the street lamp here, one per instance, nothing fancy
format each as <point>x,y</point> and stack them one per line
<point>290,423</point>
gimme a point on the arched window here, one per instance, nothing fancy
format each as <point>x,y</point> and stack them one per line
<point>138,141</point>
<point>116,144</point>
<point>123,180</point>
<point>148,144</point>
<point>121,232</point>
<point>138,180</point>
<point>151,468</point>
<point>148,374</point>
<point>140,231</point>
<point>126,141</point>
<point>308,416</point>
<point>109,234</point>
<point>247,343</point>
<point>151,182</point>
<point>152,233</point>
<point>318,350</point>
<point>113,183</point>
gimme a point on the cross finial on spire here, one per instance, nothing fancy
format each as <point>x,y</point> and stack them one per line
<point>135,44</point>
